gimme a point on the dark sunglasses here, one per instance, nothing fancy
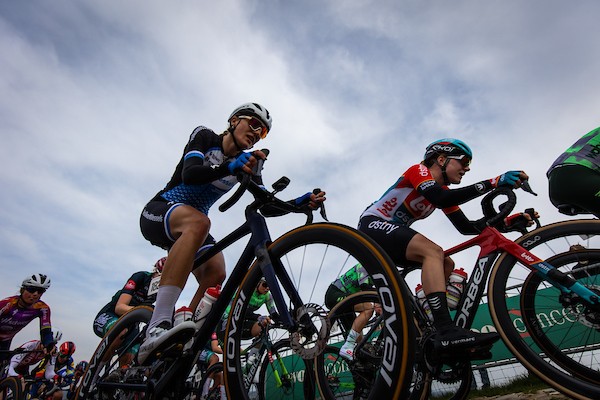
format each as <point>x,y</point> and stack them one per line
<point>464,160</point>
<point>33,289</point>
<point>256,125</point>
<point>264,284</point>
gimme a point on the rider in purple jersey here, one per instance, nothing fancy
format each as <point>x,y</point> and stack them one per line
<point>18,311</point>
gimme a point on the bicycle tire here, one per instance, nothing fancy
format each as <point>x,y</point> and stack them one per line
<point>326,250</point>
<point>105,359</point>
<point>506,280</point>
<point>10,388</point>
<point>579,327</point>
<point>296,370</point>
<point>213,392</point>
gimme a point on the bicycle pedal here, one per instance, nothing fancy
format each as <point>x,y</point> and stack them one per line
<point>175,349</point>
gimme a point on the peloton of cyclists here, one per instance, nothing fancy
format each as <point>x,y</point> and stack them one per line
<point>176,218</point>
<point>60,369</point>
<point>415,195</point>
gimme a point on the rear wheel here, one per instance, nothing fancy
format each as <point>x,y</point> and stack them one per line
<point>118,347</point>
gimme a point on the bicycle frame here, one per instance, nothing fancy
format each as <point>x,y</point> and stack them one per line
<point>492,244</point>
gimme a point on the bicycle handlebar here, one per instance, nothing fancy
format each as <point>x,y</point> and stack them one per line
<point>263,197</point>
<point>505,208</point>
<point>244,180</point>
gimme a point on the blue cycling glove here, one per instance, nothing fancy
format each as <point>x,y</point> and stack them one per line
<point>509,179</point>
<point>239,162</point>
<point>304,199</point>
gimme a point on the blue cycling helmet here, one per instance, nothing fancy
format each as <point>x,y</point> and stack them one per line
<point>449,146</point>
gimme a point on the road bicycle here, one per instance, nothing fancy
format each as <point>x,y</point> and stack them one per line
<point>561,349</point>
<point>297,267</point>
<point>561,279</point>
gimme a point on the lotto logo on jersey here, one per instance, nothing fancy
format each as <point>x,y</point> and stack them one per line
<point>388,206</point>
<point>130,285</point>
<point>423,170</point>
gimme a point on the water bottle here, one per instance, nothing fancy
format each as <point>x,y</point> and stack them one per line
<point>455,288</point>
<point>210,296</point>
<point>252,358</point>
<point>423,301</point>
<point>182,314</point>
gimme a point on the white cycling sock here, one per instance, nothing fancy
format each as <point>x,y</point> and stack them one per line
<point>166,300</point>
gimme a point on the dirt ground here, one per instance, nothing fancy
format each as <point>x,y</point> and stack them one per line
<point>550,394</point>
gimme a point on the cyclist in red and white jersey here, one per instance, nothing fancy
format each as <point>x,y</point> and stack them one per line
<point>415,195</point>
<point>18,311</point>
<point>32,353</point>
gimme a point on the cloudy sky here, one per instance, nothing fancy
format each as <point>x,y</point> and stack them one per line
<point>98,99</point>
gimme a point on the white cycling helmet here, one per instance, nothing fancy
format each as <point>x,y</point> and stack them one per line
<point>37,280</point>
<point>254,110</point>
<point>56,334</point>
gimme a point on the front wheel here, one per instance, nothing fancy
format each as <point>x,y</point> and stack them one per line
<point>306,260</point>
<point>10,388</point>
<point>118,347</point>
<point>552,338</point>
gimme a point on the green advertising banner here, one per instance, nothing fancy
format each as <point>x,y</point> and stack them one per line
<point>551,315</point>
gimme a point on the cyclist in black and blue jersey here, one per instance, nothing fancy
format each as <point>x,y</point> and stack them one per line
<point>574,177</point>
<point>355,280</point>
<point>176,219</point>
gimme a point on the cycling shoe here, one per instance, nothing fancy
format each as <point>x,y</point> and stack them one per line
<point>455,338</point>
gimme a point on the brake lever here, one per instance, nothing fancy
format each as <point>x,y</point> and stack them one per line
<point>531,213</point>
<point>321,206</point>
<point>526,187</point>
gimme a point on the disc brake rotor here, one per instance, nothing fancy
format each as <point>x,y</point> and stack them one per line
<point>311,337</point>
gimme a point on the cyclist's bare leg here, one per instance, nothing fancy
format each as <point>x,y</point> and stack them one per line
<point>190,228</point>
<point>211,273</point>
<point>365,311</point>
<point>431,257</point>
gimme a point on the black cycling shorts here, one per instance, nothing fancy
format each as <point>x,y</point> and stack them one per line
<point>154,223</point>
<point>392,237</point>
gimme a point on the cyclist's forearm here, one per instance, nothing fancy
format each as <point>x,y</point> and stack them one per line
<point>443,198</point>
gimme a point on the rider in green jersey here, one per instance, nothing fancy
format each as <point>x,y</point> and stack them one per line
<point>355,280</point>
